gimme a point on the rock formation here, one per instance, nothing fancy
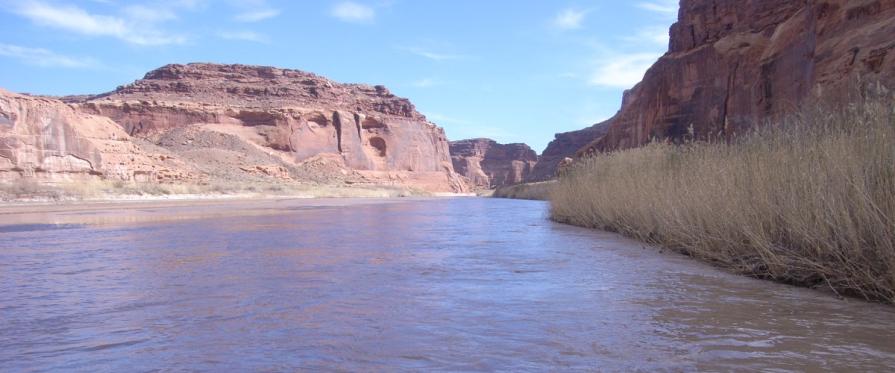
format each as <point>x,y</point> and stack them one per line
<point>47,140</point>
<point>733,64</point>
<point>564,145</point>
<point>236,122</point>
<point>488,164</point>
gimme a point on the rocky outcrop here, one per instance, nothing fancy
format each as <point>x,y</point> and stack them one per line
<point>733,64</point>
<point>283,119</point>
<point>45,139</point>
<point>488,164</point>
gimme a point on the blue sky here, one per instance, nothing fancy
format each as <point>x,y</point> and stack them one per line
<point>515,71</point>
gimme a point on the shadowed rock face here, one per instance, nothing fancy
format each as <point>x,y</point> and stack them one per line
<point>288,117</point>
<point>734,63</point>
<point>488,164</point>
<point>47,140</point>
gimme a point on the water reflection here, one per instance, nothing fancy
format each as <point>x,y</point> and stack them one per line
<point>465,284</point>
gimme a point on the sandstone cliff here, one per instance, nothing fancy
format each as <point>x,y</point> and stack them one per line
<point>734,63</point>
<point>47,140</point>
<point>236,122</point>
<point>488,164</point>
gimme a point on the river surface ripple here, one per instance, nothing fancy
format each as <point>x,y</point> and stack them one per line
<point>452,284</point>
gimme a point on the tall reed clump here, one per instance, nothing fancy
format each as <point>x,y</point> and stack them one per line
<point>808,201</point>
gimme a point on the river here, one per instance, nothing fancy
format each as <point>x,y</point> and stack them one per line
<point>466,284</point>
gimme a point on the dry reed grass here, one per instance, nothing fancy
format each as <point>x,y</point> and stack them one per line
<point>532,191</point>
<point>808,201</point>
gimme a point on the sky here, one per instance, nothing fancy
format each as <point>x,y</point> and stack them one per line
<point>510,70</point>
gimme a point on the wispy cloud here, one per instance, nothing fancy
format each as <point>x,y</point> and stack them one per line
<point>137,26</point>
<point>349,11</point>
<point>45,58</point>
<point>669,7</point>
<point>621,70</point>
<point>149,14</point>
<point>245,35</point>
<point>569,19</point>
<point>257,15</point>
<point>251,10</point>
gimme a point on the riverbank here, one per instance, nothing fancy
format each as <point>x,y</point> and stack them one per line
<point>809,202</point>
<point>27,191</point>
<point>158,210</point>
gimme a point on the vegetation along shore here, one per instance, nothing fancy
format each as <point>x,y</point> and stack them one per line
<point>807,201</point>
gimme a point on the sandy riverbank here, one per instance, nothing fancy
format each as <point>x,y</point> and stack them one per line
<point>179,208</point>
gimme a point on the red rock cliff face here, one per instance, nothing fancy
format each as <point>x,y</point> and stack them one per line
<point>46,140</point>
<point>488,164</point>
<point>733,64</point>
<point>291,115</point>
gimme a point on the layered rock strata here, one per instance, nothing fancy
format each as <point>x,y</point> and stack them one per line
<point>236,122</point>
<point>488,164</point>
<point>46,140</point>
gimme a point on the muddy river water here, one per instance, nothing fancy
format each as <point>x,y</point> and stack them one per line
<point>463,284</point>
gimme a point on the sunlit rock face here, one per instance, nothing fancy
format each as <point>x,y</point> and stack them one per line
<point>289,117</point>
<point>733,64</point>
<point>488,164</point>
<point>46,140</point>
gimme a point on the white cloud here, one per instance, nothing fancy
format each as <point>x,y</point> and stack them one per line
<point>245,36</point>
<point>569,19</point>
<point>147,14</point>
<point>350,11</point>
<point>252,10</point>
<point>138,27</point>
<point>669,7</point>
<point>257,15</point>
<point>45,58</point>
<point>622,70</point>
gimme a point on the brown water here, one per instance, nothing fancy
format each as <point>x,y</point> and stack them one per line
<point>452,284</point>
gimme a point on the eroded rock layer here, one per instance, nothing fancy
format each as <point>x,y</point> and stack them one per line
<point>47,140</point>
<point>236,120</point>
<point>733,64</point>
<point>488,164</point>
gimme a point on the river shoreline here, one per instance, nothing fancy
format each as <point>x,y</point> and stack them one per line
<point>111,211</point>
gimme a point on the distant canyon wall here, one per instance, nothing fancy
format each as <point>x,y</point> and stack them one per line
<point>488,164</point>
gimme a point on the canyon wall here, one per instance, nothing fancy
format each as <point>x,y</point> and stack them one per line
<point>488,164</point>
<point>240,123</point>
<point>47,140</point>
<point>734,64</point>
